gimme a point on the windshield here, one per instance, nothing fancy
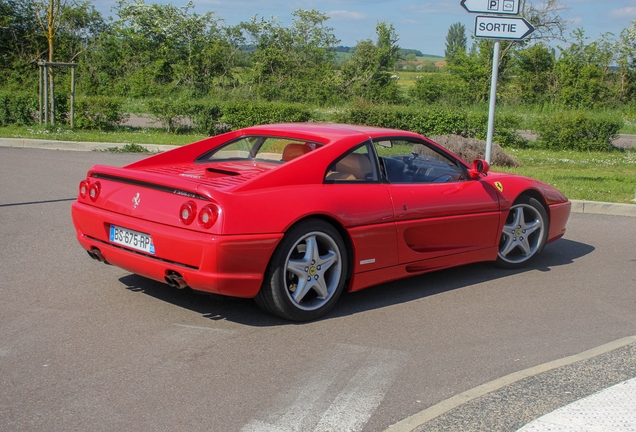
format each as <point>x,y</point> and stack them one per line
<point>261,148</point>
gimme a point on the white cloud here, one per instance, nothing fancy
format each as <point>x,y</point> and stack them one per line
<point>343,14</point>
<point>429,8</point>
<point>629,11</point>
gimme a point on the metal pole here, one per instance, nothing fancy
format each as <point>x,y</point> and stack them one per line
<point>46,95</point>
<point>493,100</point>
<point>72,97</point>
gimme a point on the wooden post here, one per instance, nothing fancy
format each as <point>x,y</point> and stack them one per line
<point>40,93</point>
<point>72,97</point>
<point>46,95</point>
<point>52,84</point>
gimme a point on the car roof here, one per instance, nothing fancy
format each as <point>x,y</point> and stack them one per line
<point>325,132</point>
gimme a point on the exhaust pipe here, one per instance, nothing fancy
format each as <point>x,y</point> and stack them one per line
<point>175,280</point>
<point>96,254</point>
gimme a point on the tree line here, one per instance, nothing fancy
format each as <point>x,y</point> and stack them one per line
<point>159,50</point>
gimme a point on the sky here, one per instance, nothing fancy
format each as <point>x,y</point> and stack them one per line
<point>421,25</point>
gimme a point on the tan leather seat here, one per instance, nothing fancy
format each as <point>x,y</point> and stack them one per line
<point>292,151</point>
<point>354,166</point>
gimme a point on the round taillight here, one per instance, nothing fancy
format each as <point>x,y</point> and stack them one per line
<point>208,216</point>
<point>93,191</point>
<point>188,212</point>
<point>83,188</point>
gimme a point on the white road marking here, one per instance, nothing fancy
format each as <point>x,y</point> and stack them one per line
<point>612,409</point>
<point>339,394</point>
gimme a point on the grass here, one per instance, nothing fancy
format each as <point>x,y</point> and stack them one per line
<point>128,135</point>
<point>591,176</point>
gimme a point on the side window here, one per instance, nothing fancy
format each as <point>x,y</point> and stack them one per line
<point>356,166</point>
<point>405,161</point>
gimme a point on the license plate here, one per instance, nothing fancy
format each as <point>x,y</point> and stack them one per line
<point>132,239</point>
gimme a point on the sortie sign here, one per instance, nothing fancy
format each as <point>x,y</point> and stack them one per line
<point>496,27</point>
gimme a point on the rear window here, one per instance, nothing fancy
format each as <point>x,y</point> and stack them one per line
<point>260,148</point>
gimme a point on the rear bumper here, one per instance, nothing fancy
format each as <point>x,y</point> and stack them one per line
<point>228,265</point>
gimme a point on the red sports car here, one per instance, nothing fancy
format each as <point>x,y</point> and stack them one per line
<point>293,214</point>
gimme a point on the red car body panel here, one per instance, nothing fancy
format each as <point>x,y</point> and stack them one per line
<point>391,230</point>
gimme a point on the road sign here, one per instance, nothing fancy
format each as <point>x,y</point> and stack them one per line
<point>496,27</point>
<point>492,6</point>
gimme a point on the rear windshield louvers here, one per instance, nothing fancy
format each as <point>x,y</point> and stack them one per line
<point>148,185</point>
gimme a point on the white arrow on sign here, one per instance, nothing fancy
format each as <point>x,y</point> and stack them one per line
<point>495,27</point>
<point>492,6</point>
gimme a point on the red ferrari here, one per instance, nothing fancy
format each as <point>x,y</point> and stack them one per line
<point>293,214</point>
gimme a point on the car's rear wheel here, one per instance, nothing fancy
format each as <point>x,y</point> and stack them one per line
<point>307,272</point>
<point>524,234</point>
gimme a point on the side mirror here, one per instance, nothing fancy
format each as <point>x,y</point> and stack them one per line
<point>479,167</point>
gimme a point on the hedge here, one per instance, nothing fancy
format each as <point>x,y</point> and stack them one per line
<point>436,121</point>
<point>577,130</point>
<point>98,112</point>
<point>18,108</point>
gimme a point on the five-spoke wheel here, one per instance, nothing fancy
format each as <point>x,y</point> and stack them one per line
<point>307,272</point>
<point>524,234</point>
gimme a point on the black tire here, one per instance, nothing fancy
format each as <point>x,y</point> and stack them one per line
<point>524,234</point>
<point>306,274</point>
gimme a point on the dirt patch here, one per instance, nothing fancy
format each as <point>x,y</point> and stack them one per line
<point>470,149</point>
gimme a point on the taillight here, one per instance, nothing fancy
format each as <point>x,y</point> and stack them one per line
<point>93,191</point>
<point>188,212</point>
<point>83,188</point>
<point>208,216</point>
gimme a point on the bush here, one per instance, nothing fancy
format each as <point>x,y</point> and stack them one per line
<point>505,129</point>
<point>577,130</point>
<point>238,115</point>
<point>436,121</point>
<point>17,108</point>
<point>436,87</point>
<point>172,114</point>
<point>205,118</point>
<point>98,112</point>
<point>425,121</point>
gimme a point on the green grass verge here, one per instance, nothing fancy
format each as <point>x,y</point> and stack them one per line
<point>127,135</point>
<point>592,176</point>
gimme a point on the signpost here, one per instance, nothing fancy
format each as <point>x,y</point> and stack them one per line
<point>492,6</point>
<point>496,27</point>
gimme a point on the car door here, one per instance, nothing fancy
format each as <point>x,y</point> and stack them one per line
<point>362,203</point>
<point>438,211</point>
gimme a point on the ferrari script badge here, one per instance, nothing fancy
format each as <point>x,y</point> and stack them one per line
<point>499,186</point>
<point>136,200</point>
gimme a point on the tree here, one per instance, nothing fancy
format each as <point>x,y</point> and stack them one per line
<point>535,73</point>
<point>20,41</point>
<point>626,61</point>
<point>548,24</point>
<point>455,42</point>
<point>154,49</point>
<point>367,73</point>
<point>293,63</point>
<point>49,14</point>
<point>583,71</point>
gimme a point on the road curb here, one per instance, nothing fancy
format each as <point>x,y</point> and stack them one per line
<point>417,420</point>
<point>595,207</point>
<point>578,206</point>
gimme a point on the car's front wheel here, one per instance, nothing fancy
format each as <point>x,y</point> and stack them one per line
<point>307,272</point>
<point>524,234</point>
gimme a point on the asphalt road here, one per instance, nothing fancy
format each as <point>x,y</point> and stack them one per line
<point>86,346</point>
